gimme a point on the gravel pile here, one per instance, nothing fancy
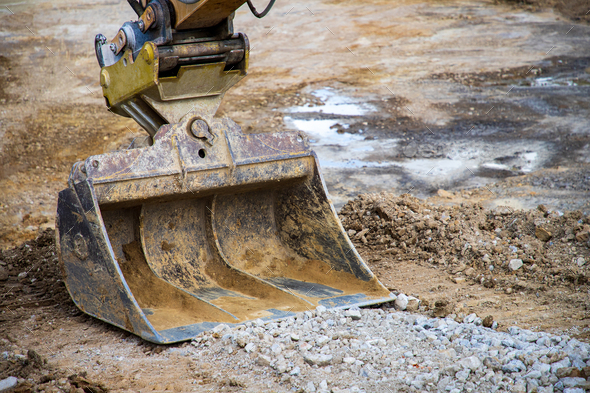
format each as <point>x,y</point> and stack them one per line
<point>383,350</point>
<point>542,248</point>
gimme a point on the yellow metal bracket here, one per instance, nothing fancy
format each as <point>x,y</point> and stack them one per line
<point>129,80</point>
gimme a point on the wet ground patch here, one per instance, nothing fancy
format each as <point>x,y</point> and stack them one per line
<point>508,123</point>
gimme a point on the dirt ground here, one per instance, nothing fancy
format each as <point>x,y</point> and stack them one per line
<point>431,90</point>
<point>575,10</point>
<point>456,259</point>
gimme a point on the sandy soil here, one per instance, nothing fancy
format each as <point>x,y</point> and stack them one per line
<point>478,84</point>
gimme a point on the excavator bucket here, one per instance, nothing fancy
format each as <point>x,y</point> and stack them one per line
<point>169,240</point>
<point>207,225</point>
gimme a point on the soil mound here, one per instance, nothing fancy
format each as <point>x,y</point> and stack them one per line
<point>488,246</point>
<point>31,277</point>
<point>538,259</point>
<point>33,290</point>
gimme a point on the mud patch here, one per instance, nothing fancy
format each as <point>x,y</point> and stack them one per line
<point>31,277</point>
<point>485,141</point>
<point>34,294</point>
<point>552,71</point>
<point>6,78</point>
<point>576,10</point>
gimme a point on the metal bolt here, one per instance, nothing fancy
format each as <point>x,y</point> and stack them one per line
<point>148,54</point>
<point>80,247</point>
<point>95,163</point>
<point>105,79</point>
<point>113,48</point>
<point>141,25</point>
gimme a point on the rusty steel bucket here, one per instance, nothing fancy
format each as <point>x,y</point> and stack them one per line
<point>170,240</point>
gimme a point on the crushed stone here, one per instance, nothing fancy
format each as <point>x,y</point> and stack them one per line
<point>388,350</point>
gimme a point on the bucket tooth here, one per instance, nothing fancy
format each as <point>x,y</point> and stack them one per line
<point>170,240</point>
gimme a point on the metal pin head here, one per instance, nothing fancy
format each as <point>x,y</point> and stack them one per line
<point>200,130</point>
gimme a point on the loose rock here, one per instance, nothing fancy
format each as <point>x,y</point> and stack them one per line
<point>319,360</point>
<point>515,264</point>
<point>543,234</point>
<point>263,360</point>
<point>3,274</point>
<point>354,314</point>
<point>442,308</point>
<point>401,303</point>
<point>413,304</point>
<point>8,383</point>
<point>488,321</point>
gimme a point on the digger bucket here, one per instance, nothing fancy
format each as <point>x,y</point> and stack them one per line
<point>170,240</point>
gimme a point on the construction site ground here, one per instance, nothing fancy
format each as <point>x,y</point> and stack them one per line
<point>463,124</point>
